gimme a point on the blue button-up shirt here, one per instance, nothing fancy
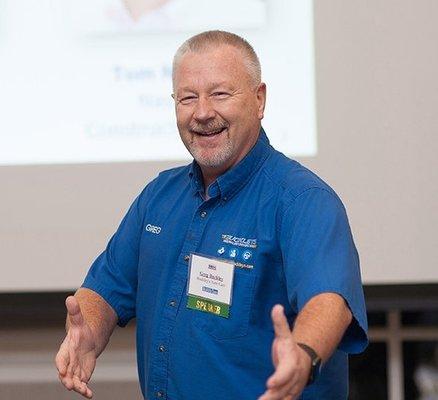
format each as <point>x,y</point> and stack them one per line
<point>288,234</point>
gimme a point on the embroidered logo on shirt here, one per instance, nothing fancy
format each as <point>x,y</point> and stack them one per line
<point>239,241</point>
<point>241,259</point>
<point>153,229</point>
<point>246,255</point>
<point>233,253</point>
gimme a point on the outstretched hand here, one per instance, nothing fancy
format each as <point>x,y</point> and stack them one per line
<point>76,357</point>
<point>292,364</point>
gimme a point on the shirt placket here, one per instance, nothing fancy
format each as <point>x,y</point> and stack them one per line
<point>160,361</point>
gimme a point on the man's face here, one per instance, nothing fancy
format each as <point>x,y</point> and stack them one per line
<point>218,107</point>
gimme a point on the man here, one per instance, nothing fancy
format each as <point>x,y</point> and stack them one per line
<point>240,268</point>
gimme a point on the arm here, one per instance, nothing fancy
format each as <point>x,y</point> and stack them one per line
<point>89,325</point>
<point>107,297</point>
<point>98,314</point>
<point>322,275</point>
<point>320,324</point>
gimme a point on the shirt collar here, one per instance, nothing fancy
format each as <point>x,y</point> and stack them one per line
<point>235,178</point>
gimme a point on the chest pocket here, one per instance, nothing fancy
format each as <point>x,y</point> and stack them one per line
<point>236,325</point>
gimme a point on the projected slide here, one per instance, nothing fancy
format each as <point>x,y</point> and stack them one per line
<point>90,81</point>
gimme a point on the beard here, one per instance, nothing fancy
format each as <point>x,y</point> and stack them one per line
<point>210,157</point>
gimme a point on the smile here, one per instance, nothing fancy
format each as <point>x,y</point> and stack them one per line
<point>209,133</point>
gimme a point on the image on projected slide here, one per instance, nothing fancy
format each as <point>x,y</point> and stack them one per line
<point>142,16</point>
<point>92,81</point>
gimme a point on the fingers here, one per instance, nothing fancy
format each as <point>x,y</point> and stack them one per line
<point>281,376</point>
<point>74,311</point>
<point>62,360</point>
<point>89,393</point>
<point>283,394</point>
<point>280,384</point>
<point>290,376</point>
<point>75,384</point>
<point>82,388</point>
<point>66,381</point>
<point>75,360</point>
<point>281,326</point>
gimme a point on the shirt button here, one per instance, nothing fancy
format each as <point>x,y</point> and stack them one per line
<point>172,303</point>
<point>186,257</point>
<point>162,348</point>
<point>160,394</point>
<point>203,214</point>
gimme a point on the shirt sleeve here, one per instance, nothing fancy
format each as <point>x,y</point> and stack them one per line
<point>320,256</point>
<point>113,275</point>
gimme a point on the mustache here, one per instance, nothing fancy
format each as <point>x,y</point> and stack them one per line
<point>208,127</point>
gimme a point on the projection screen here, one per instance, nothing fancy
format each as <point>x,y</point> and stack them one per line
<point>87,121</point>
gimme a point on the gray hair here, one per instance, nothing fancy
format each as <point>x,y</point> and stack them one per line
<point>211,39</point>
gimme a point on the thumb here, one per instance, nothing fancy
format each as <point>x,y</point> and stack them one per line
<point>74,311</point>
<point>281,326</point>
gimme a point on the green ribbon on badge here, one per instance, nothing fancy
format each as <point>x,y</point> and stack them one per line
<point>208,306</point>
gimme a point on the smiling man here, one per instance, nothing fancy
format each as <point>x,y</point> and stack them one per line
<point>219,102</point>
<point>240,267</point>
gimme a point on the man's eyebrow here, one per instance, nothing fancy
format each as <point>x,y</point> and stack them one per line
<point>212,86</point>
<point>226,84</point>
<point>185,89</point>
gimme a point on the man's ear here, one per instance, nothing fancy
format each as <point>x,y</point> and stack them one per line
<point>261,100</point>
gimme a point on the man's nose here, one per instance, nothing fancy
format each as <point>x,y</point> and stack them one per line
<point>204,110</point>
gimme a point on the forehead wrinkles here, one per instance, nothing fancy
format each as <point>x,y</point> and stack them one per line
<point>211,68</point>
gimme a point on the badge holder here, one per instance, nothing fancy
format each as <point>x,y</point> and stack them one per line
<point>210,283</point>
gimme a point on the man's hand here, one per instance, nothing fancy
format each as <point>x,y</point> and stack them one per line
<point>292,364</point>
<point>76,357</point>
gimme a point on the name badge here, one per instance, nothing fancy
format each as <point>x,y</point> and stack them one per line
<point>210,284</point>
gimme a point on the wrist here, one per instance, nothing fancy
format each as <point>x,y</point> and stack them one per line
<point>315,362</point>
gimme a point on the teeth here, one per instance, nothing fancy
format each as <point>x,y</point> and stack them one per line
<point>212,132</point>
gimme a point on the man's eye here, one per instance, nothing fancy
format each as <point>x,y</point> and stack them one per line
<point>221,95</point>
<point>187,100</point>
